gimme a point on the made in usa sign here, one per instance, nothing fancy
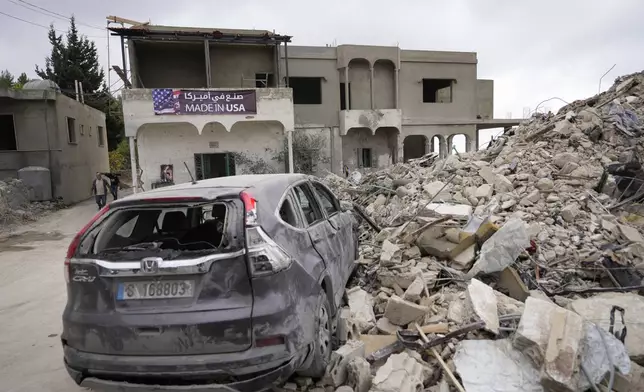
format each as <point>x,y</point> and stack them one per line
<point>174,101</point>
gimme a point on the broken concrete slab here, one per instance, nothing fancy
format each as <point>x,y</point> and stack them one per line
<point>495,366</point>
<point>373,343</point>
<point>415,290</point>
<point>401,373</point>
<point>347,328</point>
<point>464,260</point>
<point>484,191</point>
<point>386,327</point>
<point>533,331</point>
<point>404,279</point>
<point>454,211</point>
<point>361,306</point>
<point>560,370</point>
<point>597,309</point>
<point>401,312</point>
<point>337,368</point>
<point>481,301</point>
<point>359,374</point>
<point>630,234</point>
<point>510,280</point>
<point>391,254</point>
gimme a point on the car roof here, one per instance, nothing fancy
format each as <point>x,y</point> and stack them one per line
<point>221,186</point>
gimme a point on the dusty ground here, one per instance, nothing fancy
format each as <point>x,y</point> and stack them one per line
<point>32,298</point>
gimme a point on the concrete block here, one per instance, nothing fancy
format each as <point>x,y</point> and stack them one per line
<point>386,327</point>
<point>481,301</point>
<point>533,331</point>
<point>359,374</point>
<point>415,290</point>
<point>340,358</point>
<point>344,388</point>
<point>374,343</point>
<point>484,191</point>
<point>401,312</point>
<point>361,306</point>
<point>561,361</point>
<point>347,329</point>
<point>390,254</point>
<point>401,373</point>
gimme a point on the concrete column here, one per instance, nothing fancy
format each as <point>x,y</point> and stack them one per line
<point>473,142</point>
<point>289,138</point>
<point>397,86</point>
<point>135,179</point>
<point>371,86</point>
<point>206,49</point>
<point>346,87</point>
<point>428,145</point>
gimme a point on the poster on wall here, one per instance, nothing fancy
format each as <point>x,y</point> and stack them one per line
<point>174,101</point>
<point>167,173</point>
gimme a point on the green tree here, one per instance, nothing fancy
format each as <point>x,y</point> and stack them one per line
<point>20,82</point>
<point>74,57</point>
<point>6,79</point>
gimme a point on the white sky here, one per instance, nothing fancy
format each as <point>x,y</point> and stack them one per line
<point>532,50</point>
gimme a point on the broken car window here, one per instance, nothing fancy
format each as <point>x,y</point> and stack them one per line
<point>328,201</point>
<point>310,209</point>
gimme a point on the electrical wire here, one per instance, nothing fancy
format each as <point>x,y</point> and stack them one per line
<point>57,14</point>
<point>43,26</point>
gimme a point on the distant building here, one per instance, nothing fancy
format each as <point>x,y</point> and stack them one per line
<point>370,106</point>
<point>39,126</point>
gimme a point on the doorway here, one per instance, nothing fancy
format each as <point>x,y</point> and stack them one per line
<point>214,165</point>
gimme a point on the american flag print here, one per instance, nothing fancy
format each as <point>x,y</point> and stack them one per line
<point>165,100</point>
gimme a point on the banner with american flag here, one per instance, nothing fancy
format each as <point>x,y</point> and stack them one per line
<point>174,101</point>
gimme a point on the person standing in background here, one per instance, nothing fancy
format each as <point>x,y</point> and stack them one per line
<point>99,190</point>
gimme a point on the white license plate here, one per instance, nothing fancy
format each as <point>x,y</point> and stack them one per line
<point>155,290</point>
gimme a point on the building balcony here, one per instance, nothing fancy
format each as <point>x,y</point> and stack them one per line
<point>201,107</point>
<point>370,118</point>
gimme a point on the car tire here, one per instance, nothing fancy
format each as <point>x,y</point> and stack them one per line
<point>322,344</point>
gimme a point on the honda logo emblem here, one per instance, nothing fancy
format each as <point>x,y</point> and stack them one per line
<point>150,265</point>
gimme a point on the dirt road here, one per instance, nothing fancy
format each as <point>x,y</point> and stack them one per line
<point>32,298</point>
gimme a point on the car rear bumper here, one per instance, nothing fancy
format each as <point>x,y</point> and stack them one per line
<point>248,371</point>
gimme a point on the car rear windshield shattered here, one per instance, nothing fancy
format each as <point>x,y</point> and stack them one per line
<point>168,232</point>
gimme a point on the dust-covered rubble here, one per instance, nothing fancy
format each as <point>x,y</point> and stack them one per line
<point>15,205</point>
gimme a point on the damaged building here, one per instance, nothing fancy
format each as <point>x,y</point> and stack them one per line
<point>214,102</point>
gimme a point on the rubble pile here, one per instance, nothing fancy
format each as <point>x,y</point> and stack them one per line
<point>15,205</point>
<point>514,268</point>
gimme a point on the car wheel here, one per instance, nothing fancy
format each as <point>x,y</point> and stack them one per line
<point>322,345</point>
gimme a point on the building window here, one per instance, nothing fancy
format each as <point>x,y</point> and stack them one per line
<point>437,90</point>
<point>90,131</point>
<point>82,130</point>
<point>364,157</point>
<point>101,136</point>
<point>7,133</point>
<point>343,97</point>
<point>264,80</point>
<point>71,130</point>
<point>306,91</point>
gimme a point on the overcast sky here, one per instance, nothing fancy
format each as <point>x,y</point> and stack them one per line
<point>533,50</point>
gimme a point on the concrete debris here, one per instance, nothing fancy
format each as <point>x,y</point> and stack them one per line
<point>337,370</point>
<point>495,366</point>
<point>481,301</point>
<point>401,373</point>
<point>544,219</point>
<point>16,207</point>
<point>359,374</point>
<point>401,312</point>
<point>597,310</point>
<point>361,307</point>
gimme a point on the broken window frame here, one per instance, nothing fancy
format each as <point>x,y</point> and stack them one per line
<point>309,98</point>
<point>427,89</point>
<point>101,136</point>
<point>313,203</point>
<point>324,194</point>
<point>10,146</point>
<point>299,220</point>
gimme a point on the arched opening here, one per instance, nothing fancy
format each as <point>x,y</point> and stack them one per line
<point>414,146</point>
<point>458,143</point>
<point>384,84</point>
<point>364,150</point>
<point>439,145</point>
<point>390,134</point>
<point>359,84</point>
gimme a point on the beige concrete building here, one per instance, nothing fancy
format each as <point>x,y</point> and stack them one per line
<point>44,128</point>
<point>359,107</point>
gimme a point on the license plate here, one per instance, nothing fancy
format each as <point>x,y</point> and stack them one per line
<point>155,290</point>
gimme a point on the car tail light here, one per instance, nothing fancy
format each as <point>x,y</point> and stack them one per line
<point>73,246</point>
<point>265,256</point>
<point>250,209</point>
<point>269,341</point>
